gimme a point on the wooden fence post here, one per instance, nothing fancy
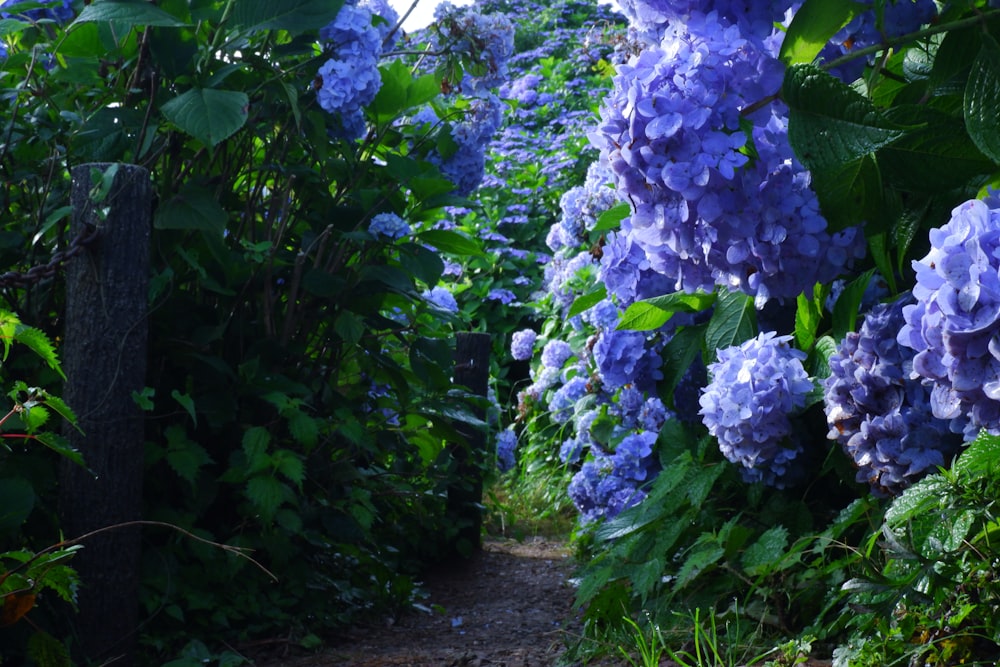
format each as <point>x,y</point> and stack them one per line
<point>465,493</point>
<point>104,358</point>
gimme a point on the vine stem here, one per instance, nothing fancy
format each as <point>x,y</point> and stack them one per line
<point>241,552</point>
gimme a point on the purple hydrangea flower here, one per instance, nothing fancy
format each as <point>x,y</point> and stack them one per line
<point>881,416</point>
<point>954,327</point>
<point>623,357</point>
<point>350,79</point>
<point>747,405</point>
<point>522,344</point>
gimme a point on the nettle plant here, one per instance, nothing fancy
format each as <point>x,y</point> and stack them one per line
<point>300,394</point>
<point>763,298</point>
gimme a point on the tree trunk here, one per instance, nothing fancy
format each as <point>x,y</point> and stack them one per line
<point>104,358</point>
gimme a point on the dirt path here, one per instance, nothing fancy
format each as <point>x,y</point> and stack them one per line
<point>506,607</point>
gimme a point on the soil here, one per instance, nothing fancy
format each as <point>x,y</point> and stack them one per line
<point>510,605</point>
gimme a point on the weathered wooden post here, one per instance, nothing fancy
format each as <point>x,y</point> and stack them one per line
<point>465,493</point>
<point>104,358</point>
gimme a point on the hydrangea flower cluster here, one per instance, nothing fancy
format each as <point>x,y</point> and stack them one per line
<point>581,206</point>
<point>441,298</point>
<point>389,225</point>
<point>954,326</point>
<point>522,344</point>
<point>704,214</point>
<point>350,79</point>
<point>882,417</point>
<point>748,403</point>
<point>506,449</point>
<point>466,166</point>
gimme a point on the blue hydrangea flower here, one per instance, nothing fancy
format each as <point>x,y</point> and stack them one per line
<point>881,416</point>
<point>555,353</point>
<point>389,225</point>
<point>633,457</point>
<point>501,294</point>
<point>623,357</point>
<point>522,344</point>
<point>562,404</point>
<point>440,297</point>
<point>754,389</point>
<point>350,79</point>
<point>954,327</point>
<point>506,447</point>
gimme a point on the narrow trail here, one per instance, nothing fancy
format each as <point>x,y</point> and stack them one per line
<point>505,607</point>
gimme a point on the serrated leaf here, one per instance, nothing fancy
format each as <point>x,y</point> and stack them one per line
<point>61,446</point>
<point>918,500</point>
<point>303,428</point>
<point>698,561</point>
<point>290,465</point>
<point>47,651</point>
<point>38,342</point>
<point>266,493</point>
<point>612,218</point>
<point>255,442</point>
<point>292,15</point>
<point>131,13</point>
<point>830,124</point>
<point>814,23</point>
<point>982,99</point>
<point>185,456</point>
<point>733,321</point>
<point>766,552</point>
<point>936,158</point>
<point>980,458</point>
<point>587,301</point>
<point>207,114</point>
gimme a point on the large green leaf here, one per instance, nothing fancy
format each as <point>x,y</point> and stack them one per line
<point>451,241</point>
<point>733,321</point>
<point>137,13</point>
<point>938,157</point>
<point>831,125</point>
<point>207,114</point>
<point>194,207</point>
<point>982,99</point>
<point>589,300</point>
<point>815,22</point>
<point>291,15</point>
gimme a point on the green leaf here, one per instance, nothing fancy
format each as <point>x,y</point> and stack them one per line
<point>47,651</point>
<point>680,353</point>
<point>587,301</point>
<point>17,499</point>
<point>194,207</point>
<point>814,23</point>
<point>451,241</point>
<point>762,556</point>
<point>422,90</point>
<point>733,321</point>
<point>185,456</point>
<point>936,158</point>
<point>391,99</point>
<point>61,446</point>
<point>808,315</point>
<point>831,125</point>
<point>643,316</point>
<point>612,218</point>
<point>424,264</point>
<point>207,114</point>
<point>266,493</point>
<point>982,99</point>
<point>38,342</point>
<point>654,312</point>
<point>131,13</point>
<point>289,464</point>
<point>980,459</point>
<point>255,442</point>
<point>295,16</point>
<point>848,305</point>
<point>349,327</point>
<point>187,403</point>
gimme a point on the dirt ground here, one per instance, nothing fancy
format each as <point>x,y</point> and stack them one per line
<point>511,605</point>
